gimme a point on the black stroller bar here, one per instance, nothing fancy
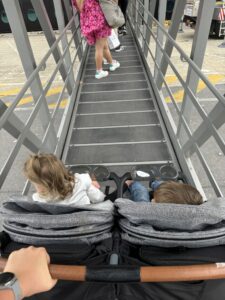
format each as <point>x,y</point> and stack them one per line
<point>116,274</point>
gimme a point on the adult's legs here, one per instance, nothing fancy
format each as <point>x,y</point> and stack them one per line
<point>106,52</point>
<point>99,48</point>
<point>99,51</point>
<point>113,64</point>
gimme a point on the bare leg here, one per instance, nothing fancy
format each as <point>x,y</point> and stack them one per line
<point>99,47</point>
<point>106,52</point>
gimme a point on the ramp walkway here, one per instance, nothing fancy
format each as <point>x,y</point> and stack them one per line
<point>115,122</point>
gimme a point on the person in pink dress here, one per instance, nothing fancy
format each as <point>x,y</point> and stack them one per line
<point>96,30</point>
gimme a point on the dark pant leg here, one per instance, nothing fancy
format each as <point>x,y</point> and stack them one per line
<point>123,5</point>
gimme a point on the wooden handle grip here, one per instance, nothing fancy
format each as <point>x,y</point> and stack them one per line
<point>137,274</point>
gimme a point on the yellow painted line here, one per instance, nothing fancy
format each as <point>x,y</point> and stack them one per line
<point>9,92</point>
<point>62,104</point>
<point>15,91</point>
<point>29,99</point>
<point>178,95</point>
<point>170,79</point>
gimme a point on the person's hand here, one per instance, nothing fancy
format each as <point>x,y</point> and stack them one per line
<point>30,265</point>
<point>96,184</point>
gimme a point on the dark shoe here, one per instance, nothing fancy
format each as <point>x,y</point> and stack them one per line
<point>122,30</point>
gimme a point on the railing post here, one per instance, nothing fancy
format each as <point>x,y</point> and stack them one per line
<point>160,34</point>
<point>173,30</point>
<point>61,26</point>
<point>152,6</point>
<point>146,8</point>
<point>204,19</point>
<point>139,19</point>
<point>15,17</point>
<point>74,28</point>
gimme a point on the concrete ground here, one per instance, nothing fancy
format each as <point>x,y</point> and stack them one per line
<point>12,79</point>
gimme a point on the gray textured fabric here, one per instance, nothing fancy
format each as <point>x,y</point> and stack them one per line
<point>172,225</point>
<point>27,221</point>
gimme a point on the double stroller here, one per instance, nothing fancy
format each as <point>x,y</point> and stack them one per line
<point>129,250</point>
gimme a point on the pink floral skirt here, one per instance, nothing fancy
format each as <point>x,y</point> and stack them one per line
<point>92,21</point>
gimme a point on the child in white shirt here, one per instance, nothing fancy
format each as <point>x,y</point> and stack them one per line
<point>55,184</point>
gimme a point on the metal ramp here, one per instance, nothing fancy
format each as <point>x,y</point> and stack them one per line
<point>115,122</point>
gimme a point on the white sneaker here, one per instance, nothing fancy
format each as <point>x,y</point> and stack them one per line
<point>115,65</point>
<point>100,74</point>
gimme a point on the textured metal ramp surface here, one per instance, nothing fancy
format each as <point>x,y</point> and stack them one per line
<point>115,122</point>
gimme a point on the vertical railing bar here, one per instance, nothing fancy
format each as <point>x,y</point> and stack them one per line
<point>138,27</point>
<point>77,38</point>
<point>146,7</point>
<point>61,26</point>
<point>205,14</point>
<point>150,19</point>
<point>76,24</point>
<point>172,32</point>
<point>160,35</point>
<point>26,188</point>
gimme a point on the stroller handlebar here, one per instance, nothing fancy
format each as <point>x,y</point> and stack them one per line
<point>122,273</point>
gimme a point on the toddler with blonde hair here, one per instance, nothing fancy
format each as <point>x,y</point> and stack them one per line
<point>55,184</point>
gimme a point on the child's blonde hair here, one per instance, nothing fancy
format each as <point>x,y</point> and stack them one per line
<point>179,193</point>
<point>48,171</point>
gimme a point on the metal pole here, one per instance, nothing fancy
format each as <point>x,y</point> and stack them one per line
<point>61,26</point>
<point>204,19</point>
<point>173,30</point>
<point>160,34</point>
<point>152,6</point>
<point>74,28</point>
<point>146,8</point>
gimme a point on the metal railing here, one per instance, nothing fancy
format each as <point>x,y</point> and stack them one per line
<point>44,125</point>
<point>192,128</point>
